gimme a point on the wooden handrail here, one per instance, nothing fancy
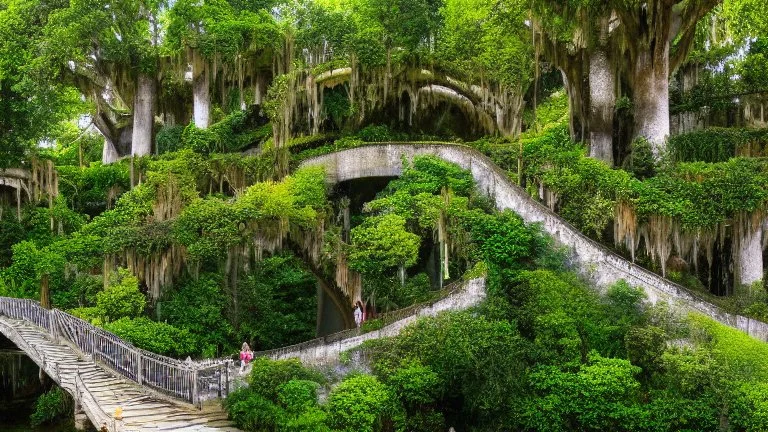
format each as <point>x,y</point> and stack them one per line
<point>190,381</point>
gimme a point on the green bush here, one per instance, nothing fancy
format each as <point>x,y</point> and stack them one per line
<point>282,396</point>
<point>199,140</point>
<point>381,243</point>
<point>749,411</point>
<point>160,338</point>
<point>267,375</point>
<point>379,133</point>
<point>371,325</point>
<point>717,144</point>
<point>51,406</point>
<point>199,307</point>
<point>362,403</point>
<point>169,139</point>
<point>122,299</point>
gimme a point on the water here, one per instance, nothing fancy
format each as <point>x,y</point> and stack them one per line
<point>23,426</point>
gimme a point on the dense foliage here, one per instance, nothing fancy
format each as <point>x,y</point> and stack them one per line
<point>51,406</point>
<point>178,217</point>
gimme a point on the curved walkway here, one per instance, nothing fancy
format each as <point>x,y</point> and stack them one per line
<point>457,296</point>
<point>592,259</point>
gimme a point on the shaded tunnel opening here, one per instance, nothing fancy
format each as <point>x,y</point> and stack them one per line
<point>352,195</point>
<point>20,386</point>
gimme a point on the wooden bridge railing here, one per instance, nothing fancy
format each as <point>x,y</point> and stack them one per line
<point>191,381</point>
<point>173,377</point>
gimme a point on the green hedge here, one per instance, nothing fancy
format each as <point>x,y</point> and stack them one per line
<point>717,144</point>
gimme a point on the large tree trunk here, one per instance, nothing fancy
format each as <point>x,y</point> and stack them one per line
<point>201,95</point>
<point>651,98</point>
<point>602,100</point>
<point>45,291</point>
<point>109,153</point>
<point>143,116</point>
<point>748,257</point>
<point>573,79</point>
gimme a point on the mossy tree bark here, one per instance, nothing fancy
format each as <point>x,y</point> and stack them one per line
<point>602,101</point>
<point>658,36</point>
<point>201,95</point>
<point>748,253</point>
<point>143,115</point>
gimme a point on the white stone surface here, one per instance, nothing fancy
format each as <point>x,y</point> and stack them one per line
<point>593,260</point>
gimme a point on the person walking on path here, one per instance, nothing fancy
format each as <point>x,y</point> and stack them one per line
<point>358,314</point>
<point>246,355</point>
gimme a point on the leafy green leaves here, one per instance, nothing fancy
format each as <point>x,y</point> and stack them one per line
<point>381,243</point>
<point>157,337</point>
<point>121,299</point>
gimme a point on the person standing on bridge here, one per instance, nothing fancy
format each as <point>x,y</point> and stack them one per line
<point>246,355</point>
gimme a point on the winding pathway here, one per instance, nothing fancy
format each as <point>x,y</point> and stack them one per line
<point>598,263</point>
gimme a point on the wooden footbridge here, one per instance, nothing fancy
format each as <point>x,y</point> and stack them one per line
<point>104,374</point>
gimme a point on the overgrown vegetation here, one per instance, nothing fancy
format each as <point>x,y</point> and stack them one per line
<point>155,190</point>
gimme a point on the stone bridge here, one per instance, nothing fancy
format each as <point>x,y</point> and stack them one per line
<point>103,372</point>
<point>598,263</point>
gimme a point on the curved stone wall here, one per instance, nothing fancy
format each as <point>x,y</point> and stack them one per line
<point>595,261</point>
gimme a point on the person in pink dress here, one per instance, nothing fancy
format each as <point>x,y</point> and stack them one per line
<point>246,355</point>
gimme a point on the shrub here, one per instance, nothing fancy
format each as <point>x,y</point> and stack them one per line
<point>282,395</point>
<point>168,139</point>
<point>717,144</point>
<point>268,375</point>
<point>122,298</point>
<point>154,336</point>
<point>641,161</point>
<point>199,307</point>
<point>379,133</point>
<point>371,325</point>
<point>50,406</point>
<point>362,403</point>
<point>382,242</point>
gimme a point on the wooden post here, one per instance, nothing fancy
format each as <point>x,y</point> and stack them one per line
<point>139,377</point>
<point>226,371</point>
<point>194,388</point>
<point>221,375</point>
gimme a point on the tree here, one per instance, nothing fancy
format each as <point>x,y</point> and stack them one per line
<point>500,57</point>
<point>577,38</point>
<point>122,298</point>
<point>382,242</point>
<point>215,38</point>
<point>32,103</point>
<point>361,403</point>
<point>109,50</point>
<point>641,41</point>
<point>658,34</point>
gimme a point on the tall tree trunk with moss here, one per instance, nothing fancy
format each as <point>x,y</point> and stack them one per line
<point>658,35</point>
<point>602,98</point>
<point>650,82</point>
<point>143,115</point>
<point>748,253</point>
<point>201,95</point>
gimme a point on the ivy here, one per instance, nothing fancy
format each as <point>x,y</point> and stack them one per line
<point>717,144</point>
